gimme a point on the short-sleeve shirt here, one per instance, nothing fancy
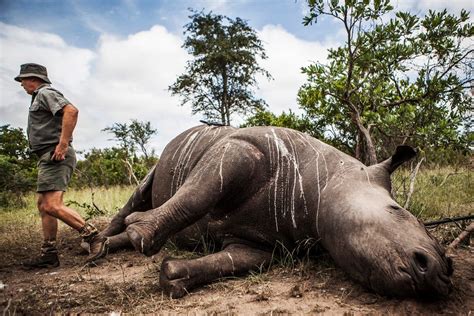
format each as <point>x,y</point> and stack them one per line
<point>45,118</point>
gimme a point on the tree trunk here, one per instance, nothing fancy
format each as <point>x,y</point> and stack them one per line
<point>225,105</point>
<point>371,155</point>
<point>358,146</point>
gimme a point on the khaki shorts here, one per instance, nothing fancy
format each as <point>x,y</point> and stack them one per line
<point>55,175</point>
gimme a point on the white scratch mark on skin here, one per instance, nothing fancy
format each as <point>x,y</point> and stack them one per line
<point>307,141</point>
<point>318,175</point>
<point>368,176</point>
<point>231,260</point>
<point>297,177</point>
<point>142,244</point>
<point>276,178</point>
<point>220,166</point>
<point>285,161</point>
<point>186,151</point>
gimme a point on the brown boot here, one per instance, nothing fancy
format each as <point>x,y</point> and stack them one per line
<point>48,257</point>
<point>98,244</point>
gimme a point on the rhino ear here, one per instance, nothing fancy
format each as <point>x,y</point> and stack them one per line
<point>402,154</point>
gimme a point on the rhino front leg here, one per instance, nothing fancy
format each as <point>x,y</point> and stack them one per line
<point>224,170</point>
<point>178,277</point>
<point>140,201</point>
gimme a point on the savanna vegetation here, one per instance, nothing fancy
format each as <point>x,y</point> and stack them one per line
<point>397,78</point>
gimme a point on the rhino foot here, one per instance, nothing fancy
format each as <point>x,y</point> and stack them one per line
<point>174,275</point>
<point>141,233</point>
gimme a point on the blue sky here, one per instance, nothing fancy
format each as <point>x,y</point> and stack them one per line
<point>115,59</point>
<point>82,22</point>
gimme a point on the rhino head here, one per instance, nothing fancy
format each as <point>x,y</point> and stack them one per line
<point>379,243</point>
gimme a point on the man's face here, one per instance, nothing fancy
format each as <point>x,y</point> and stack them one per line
<point>30,84</point>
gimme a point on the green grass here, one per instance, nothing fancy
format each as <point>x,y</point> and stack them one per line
<point>107,199</point>
<point>438,192</point>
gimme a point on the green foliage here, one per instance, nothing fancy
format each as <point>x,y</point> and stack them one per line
<point>17,167</point>
<point>109,167</point>
<point>219,78</point>
<point>403,80</point>
<point>133,135</point>
<point>290,120</point>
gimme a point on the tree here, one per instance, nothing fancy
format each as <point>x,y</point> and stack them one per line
<point>133,135</point>
<point>17,167</point>
<point>219,78</point>
<point>402,80</point>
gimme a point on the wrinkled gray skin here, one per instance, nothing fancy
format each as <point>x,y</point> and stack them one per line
<point>252,188</point>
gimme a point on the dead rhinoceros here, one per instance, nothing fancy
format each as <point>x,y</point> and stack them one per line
<point>252,188</point>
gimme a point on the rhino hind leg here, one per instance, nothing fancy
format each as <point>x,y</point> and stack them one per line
<point>220,171</point>
<point>178,276</point>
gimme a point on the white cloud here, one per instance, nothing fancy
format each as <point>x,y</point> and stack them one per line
<point>127,78</point>
<point>124,79</point>
<point>286,55</point>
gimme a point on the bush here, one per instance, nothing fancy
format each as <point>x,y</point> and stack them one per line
<point>109,167</point>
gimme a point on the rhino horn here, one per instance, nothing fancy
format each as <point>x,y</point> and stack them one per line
<point>402,154</point>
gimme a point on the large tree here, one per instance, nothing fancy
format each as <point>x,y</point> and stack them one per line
<point>398,78</point>
<point>218,81</point>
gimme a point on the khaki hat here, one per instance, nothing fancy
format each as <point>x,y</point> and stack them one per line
<point>33,70</point>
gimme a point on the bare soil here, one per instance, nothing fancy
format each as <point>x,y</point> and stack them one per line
<point>127,282</point>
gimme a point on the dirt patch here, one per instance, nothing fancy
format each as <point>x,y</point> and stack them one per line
<point>127,282</point>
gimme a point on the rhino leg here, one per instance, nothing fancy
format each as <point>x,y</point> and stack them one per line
<point>222,171</point>
<point>119,241</point>
<point>177,277</point>
<point>140,201</point>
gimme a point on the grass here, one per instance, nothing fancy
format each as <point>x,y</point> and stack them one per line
<point>109,200</point>
<point>438,192</point>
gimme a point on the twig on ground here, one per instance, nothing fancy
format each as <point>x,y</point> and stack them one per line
<point>412,182</point>
<point>465,233</point>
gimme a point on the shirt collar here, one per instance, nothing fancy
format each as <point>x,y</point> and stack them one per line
<point>40,87</point>
<point>33,96</point>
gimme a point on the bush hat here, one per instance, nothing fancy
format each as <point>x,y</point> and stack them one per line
<point>33,70</point>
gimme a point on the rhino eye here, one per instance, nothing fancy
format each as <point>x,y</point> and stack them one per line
<point>395,207</point>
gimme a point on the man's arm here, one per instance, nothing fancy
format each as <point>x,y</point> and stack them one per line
<point>70,113</point>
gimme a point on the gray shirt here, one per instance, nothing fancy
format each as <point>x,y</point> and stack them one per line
<point>45,118</point>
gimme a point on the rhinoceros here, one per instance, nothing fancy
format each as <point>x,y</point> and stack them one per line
<point>253,188</point>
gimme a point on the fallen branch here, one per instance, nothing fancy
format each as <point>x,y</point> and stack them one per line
<point>465,233</point>
<point>130,172</point>
<point>412,182</point>
<point>449,220</point>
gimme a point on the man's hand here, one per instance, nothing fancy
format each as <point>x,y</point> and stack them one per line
<point>60,152</point>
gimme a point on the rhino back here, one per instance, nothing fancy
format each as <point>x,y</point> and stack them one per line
<point>179,158</point>
<point>282,202</point>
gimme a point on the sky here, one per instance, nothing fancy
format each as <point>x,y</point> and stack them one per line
<point>114,60</point>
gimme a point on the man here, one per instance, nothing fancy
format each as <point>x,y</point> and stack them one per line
<point>51,122</point>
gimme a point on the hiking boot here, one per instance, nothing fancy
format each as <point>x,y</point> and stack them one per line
<point>44,260</point>
<point>98,248</point>
<point>98,244</point>
<point>47,259</point>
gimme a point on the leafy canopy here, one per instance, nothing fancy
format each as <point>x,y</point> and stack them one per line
<point>218,81</point>
<point>398,78</point>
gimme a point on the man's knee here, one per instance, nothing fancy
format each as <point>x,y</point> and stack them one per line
<point>49,206</point>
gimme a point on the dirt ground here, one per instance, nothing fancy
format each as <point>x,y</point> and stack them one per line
<point>127,282</point>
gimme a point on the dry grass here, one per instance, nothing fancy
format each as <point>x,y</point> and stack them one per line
<point>438,192</point>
